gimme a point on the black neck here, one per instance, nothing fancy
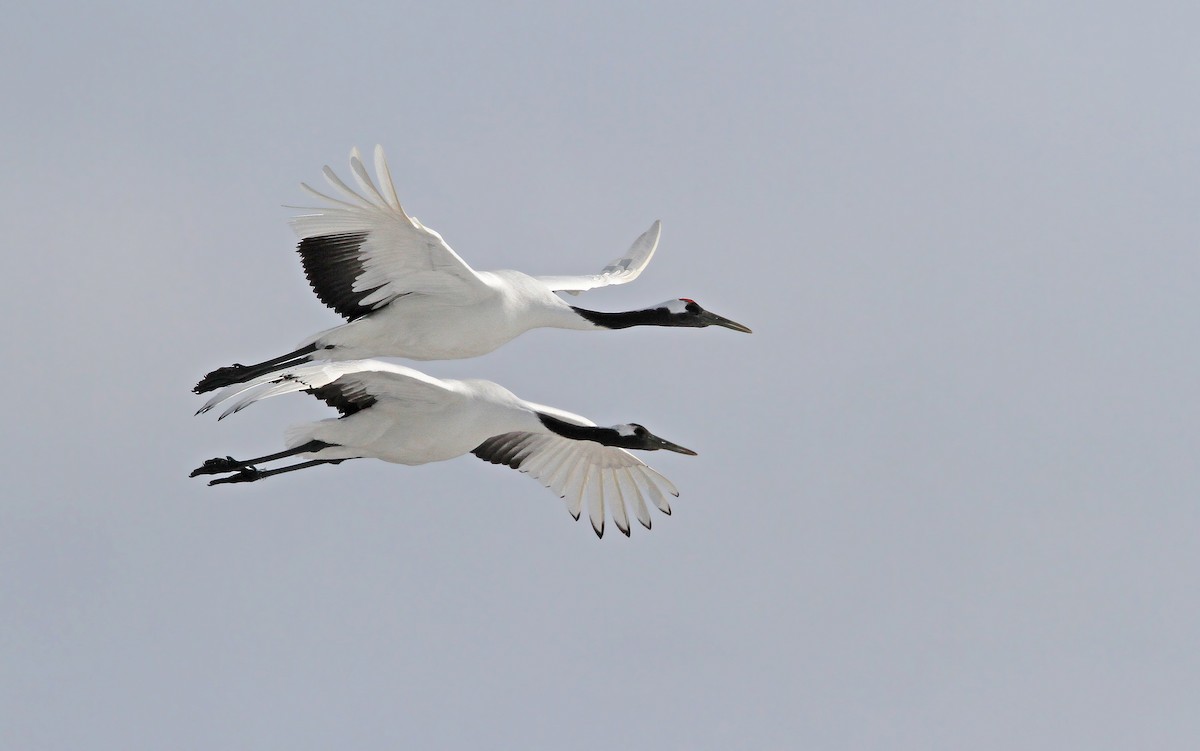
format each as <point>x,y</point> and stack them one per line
<point>607,436</point>
<point>648,317</point>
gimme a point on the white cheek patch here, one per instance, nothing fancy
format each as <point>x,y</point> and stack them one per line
<point>675,306</point>
<point>625,430</point>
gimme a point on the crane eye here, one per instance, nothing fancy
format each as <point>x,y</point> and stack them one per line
<point>692,307</point>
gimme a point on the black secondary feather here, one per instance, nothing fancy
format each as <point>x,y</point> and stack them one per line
<point>332,263</point>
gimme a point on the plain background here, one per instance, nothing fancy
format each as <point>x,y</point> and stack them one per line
<point>947,492</point>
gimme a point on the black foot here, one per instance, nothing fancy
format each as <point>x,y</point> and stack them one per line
<point>221,377</point>
<point>217,466</point>
<point>245,474</point>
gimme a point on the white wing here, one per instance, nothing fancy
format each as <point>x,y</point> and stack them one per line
<point>347,386</point>
<point>363,251</point>
<point>584,473</point>
<point>617,271</point>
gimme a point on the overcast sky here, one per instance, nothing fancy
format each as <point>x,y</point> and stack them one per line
<point>946,496</point>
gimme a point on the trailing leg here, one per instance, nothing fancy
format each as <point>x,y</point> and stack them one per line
<point>250,474</point>
<point>238,373</point>
<point>229,464</point>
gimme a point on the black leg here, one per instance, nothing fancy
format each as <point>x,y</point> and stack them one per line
<point>229,464</point>
<point>237,373</point>
<point>250,474</point>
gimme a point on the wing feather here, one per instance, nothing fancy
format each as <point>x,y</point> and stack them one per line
<point>617,271</point>
<point>632,491</point>
<point>362,251</point>
<point>349,385</point>
<point>615,500</point>
<point>324,197</point>
<point>595,496</point>
<point>605,479</point>
<point>558,468</point>
<point>540,460</point>
<point>573,490</point>
<point>657,497</point>
<point>364,179</point>
<point>385,180</point>
<point>347,191</point>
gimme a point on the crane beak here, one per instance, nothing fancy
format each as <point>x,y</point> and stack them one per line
<point>659,443</point>
<point>712,319</point>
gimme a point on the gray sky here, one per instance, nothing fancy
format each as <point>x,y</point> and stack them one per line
<point>946,495</point>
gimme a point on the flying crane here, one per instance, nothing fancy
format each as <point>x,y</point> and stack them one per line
<point>401,415</point>
<point>406,293</point>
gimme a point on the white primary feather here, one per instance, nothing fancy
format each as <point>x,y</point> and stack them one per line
<point>385,179</point>
<point>617,271</point>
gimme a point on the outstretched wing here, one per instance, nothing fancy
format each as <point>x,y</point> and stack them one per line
<point>617,271</point>
<point>363,251</point>
<point>348,386</point>
<point>584,472</point>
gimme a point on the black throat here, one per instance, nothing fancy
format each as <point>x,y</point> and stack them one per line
<point>647,317</point>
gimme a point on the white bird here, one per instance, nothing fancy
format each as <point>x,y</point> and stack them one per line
<point>406,293</point>
<point>401,415</point>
